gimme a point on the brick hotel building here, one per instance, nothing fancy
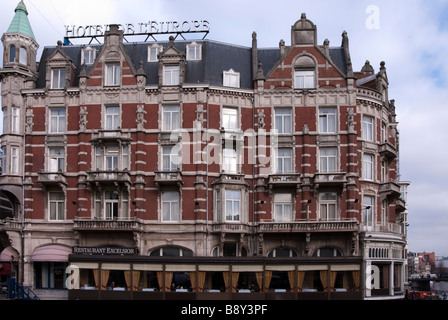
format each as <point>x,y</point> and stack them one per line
<point>198,169</point>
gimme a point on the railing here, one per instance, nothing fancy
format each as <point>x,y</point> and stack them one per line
<point>105,224</point>
<point>19,292</point>
<point>330,178</point>
<point>104,176</point>
<point>310,226</point>
<point>51,178</point>
<point>230,227</point>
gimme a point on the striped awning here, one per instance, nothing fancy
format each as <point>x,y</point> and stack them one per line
<point>51,253</point>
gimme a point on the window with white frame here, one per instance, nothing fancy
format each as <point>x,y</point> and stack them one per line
<point>327,120</point>
<point>5,120</point>
<point>233,205</point>
<point>384,207</point>
<point>14,160</point>
<point>230,118</point>
<point>112,117</point>
<point>229,160</point>
<point>328,206</point>
<point>107,157</point>
<point>283,160</point>
<point>170,118</point>
<point>57,120</point>
<point>368,210</point>
<point>194,51</point>
<point>111,204</point>
<point>171,75</point>
<point>367,128</point>
<point>383,132</point>
<point>231,79</point>
<point>328,159</point>
<point>283,207</point>
<point>56,205</point>
<point>58,79</point>
<point>283,120</point>
<point>367,166</point>
<point>15,120</point>
<point>56,159</point>
<point>3,164</point>
<point>170,158</point>
<point>153,52</point>
<point>23,56</point>
<point>384,170</point>
<point>88,55</point>
<point>304,79</point>
<point>170,206</point>
<point>112,74</point>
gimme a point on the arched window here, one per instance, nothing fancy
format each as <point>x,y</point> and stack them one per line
<point>23,56</point>
<point>304,73</point>
<point>12,53</point>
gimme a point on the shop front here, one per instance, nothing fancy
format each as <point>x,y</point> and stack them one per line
<point>136,277</point>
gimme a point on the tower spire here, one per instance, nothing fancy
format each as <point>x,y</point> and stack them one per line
<point>20,22</point>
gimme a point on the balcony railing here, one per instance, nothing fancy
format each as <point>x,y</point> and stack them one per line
<point>111,135</point>
<point>104,176</point>
<point>168,177</point>
<point>330,179</point>
<point>342,225</point>
<point>231,227</point>
<point>284,179</point>
<point>391,189</point>
<point>51,178</point>
<point>105,224</point>
<point>388,150</point>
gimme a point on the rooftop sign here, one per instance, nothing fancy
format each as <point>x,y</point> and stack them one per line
<point>148,29</point>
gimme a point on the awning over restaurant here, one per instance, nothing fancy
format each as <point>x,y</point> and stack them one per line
<point>51,253</point>
<point>9,254</point>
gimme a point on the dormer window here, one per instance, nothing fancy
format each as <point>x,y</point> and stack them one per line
<point>171,75</point>
<point>231,79</point>
<point>194,51</point>
<point>88,55</point>
<point>112,74</point>
<point>58,79</point>
<point>153,52</point>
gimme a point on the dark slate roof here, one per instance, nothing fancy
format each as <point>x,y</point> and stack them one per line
<point>216,58</point>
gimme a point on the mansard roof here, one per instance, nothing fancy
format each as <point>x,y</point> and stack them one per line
<point>217,57</point>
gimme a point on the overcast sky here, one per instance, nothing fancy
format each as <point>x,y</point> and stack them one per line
<point>411,36</point>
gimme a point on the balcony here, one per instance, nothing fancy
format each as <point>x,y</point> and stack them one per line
<point>104,177</point>
<point>301,226</point>
<point>168,178</point>
<point>231,178</point>
<point>230,228</point>
<point>105,225</point>
<point>388,150</point>
<point>52,179</point>
<point>390,190</point>
<point>332,179</point>
<point>284,180</point>
<point>110,136</point>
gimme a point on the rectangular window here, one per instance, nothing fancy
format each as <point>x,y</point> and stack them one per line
<point>112,118</point>
<point>383,132</point>
<point>56,205</point>
<point>384,207</point>
<point>58,79</point>
<point>5,120</point>
<point>229,160</point>
<point>171,75</point>
<point>3,164</point>
<point>367,211</point>
<point>56,159</point>
<point>283,207</point>
<point>218,205</point>
<point>230,118</point>
<point>88,56</point>
<point>304,79</point>
<point>367,128</point>
<point>328,160</point>
<point>15,120</point>
<point>14,160</point>
<point>384,169</point>
<point>170,206</point>
<point>153,52</point>
<point>283,160</point>
<point>111,204</point>
<point>367,166</point>
<point>170,158</point>
<point>112,74</point>
<point>194,51</point>
<point>283,120</point>
<point>170,118</point>
<point>327,120</point>
<point>57,120</point>
<point>233,205</point>
<point>111,158</point>
<point>231,79</point>
<point>328,206</point>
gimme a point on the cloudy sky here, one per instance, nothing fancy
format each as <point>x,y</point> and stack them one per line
<point>411,36</point>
